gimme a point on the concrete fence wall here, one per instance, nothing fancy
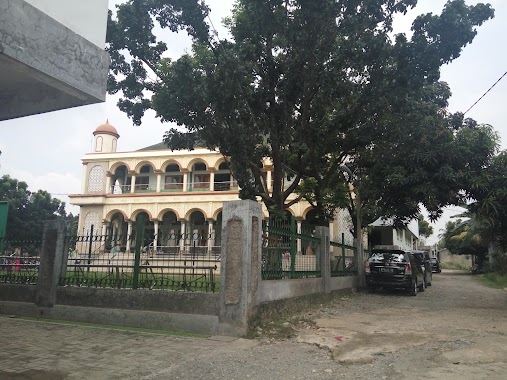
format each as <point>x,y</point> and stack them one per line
<point>242,291</point>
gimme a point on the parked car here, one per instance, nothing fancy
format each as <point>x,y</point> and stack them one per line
<point>423,259</point>
<point>393,269</point>
<point>435,265</point>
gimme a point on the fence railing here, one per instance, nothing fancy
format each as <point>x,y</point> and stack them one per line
<point>174,187</point>
<point>343,258</point>
<point>287,253</point>
<point>195,268</point>
<point>19,261</point>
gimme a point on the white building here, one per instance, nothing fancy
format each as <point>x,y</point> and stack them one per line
<point>178,192</point>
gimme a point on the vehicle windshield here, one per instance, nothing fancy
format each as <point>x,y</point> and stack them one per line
<point>394,257</point>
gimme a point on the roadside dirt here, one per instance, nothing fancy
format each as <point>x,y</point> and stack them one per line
<point>457,328</point>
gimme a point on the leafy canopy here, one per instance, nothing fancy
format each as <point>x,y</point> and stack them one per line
<point>306,85</point>
<point>28,210</point>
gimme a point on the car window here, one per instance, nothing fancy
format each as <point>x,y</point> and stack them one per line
<point>395,257</point>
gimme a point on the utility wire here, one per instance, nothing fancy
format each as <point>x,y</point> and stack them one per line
<point>478,100</point>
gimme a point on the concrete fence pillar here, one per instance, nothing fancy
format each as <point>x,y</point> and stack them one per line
<point>53,261</point>
<point>324,258</point>
<point>240,265</point>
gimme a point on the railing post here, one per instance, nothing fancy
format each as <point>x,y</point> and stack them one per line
<point>240,265</point>
<point>137,257</point>
<point>90,249</point>
<point>55,247</point>
<point>343,252</point>
<point>292,246</point>
<point>324,258</point>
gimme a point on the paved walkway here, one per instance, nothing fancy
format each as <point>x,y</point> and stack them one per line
<point>35,350</point>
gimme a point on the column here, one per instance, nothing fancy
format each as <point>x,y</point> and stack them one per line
<point>133,184</point>
<point>53,261</point>
<point>185,179</point>
<point>155,231</point>
<point>211,237</point>
<point>298,250</point>
<point>103,232</point>
<point>108,183</point>
<point>212,179</point>
<point>84,180</point>
<point>129,238</point>
<point>159,180</point>
<point>183,237</point>
<point>268,178</point>
<point>240,265</point>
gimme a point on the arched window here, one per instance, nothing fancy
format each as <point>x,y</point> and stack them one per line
<point>96,179</point>
<point>92,218</point>
<point>143,178</point>
<point>173,180</point>
<point>114,144</point>
<point>98,144</point>
<point>223,178</point>
<point>200,177</point>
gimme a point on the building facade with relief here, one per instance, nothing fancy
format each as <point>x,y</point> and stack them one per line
<point>180,193</point>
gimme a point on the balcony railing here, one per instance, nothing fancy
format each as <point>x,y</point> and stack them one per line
<point>171,187</point>
<point>174,187</point>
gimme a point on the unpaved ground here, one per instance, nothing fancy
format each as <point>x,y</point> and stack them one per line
<point>456,329</point>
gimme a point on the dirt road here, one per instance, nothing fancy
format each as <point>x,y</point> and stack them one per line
<point>456,329</point>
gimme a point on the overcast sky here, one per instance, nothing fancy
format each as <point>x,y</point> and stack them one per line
<point>46,150</point>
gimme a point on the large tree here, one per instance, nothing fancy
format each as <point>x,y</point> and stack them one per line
<point>28,210</point>
<point>308,84</point>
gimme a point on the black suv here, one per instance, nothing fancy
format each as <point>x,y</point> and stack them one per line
<point>435,265</point>
<point>394,269</point>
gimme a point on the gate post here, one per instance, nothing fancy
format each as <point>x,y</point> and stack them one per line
<point>240,268</point>
<point>324,257</point>
<point>53,259</point>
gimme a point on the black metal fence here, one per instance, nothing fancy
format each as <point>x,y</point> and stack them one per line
<point>343,258</point>
<point>132,262</point>
<point>287,253</point>
<point>19,261</point>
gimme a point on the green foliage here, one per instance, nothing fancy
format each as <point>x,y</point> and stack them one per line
<point>495,280</point>
<point>489,193</point>
<point>28,211</point>
<point>467,237</point>
<point>425,230</point>
<point>309,85</point>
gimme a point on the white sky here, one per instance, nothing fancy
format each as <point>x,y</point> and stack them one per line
<point>46,150</point>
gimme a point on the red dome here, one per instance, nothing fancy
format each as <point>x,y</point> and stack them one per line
<point>107,129</point>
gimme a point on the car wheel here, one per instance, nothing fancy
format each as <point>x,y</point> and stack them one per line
<point>413,289</point>
<point>423,285</point>
<point>431,280</point>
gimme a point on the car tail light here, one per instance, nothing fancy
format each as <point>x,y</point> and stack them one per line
<point>408,269</point>
<point>366,267</point>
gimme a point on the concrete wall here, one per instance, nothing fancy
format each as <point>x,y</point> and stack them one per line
<point>275,290</point>
<point>447,258</point>
<point>229,312</point>
<point>44,65</point>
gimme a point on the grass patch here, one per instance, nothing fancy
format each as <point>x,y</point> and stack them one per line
<point>111,327</point>
<point>494,280</point>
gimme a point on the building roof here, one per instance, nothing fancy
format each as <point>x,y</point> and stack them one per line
<point>158,146</point>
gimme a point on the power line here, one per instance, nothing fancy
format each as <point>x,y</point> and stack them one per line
<point>478,100</point>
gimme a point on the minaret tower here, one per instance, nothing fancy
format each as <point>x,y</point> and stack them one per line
<point>105,138</point>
